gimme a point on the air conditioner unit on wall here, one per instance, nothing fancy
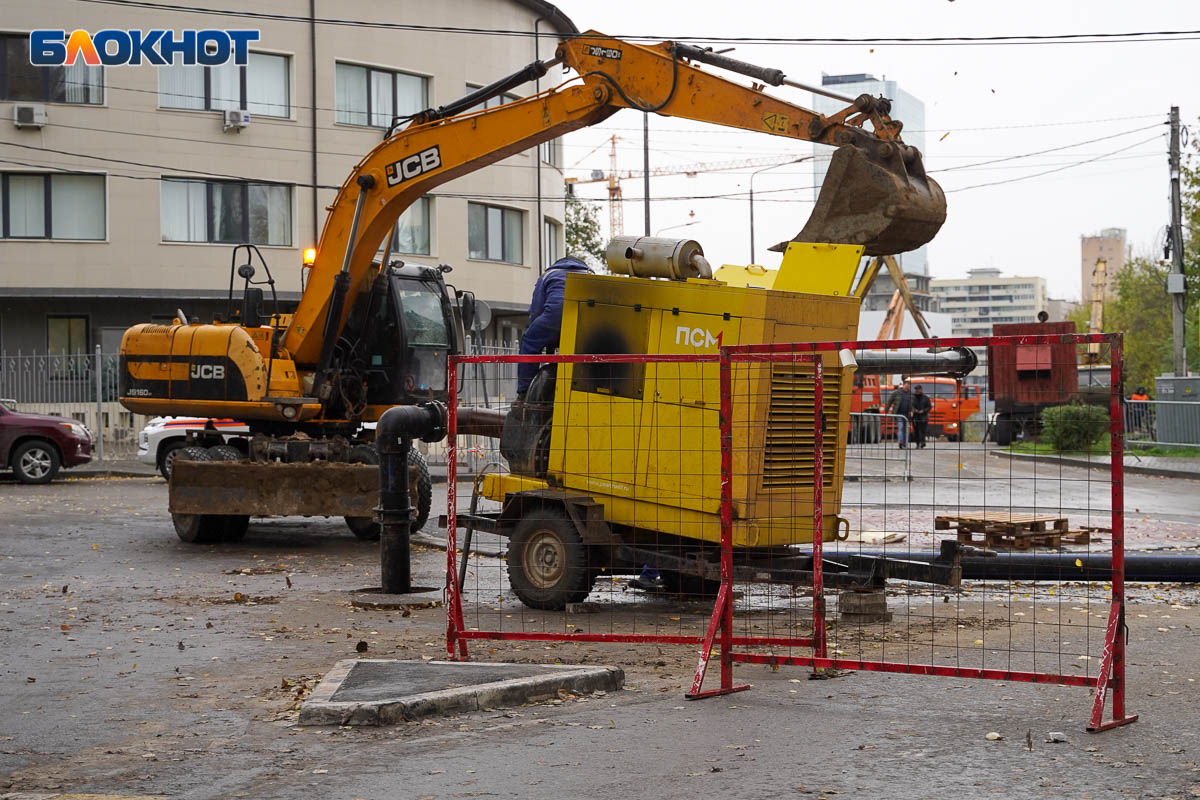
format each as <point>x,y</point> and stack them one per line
<point>236,119</point>
<point>29,115</point>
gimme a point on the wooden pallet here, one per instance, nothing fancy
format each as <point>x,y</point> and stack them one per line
<point>1002,522</point>
<point>1022,540</point>
<point>1012,531</point>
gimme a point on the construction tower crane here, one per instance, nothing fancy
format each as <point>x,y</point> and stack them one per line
<point>614,177</point>
<point>1096,320</point>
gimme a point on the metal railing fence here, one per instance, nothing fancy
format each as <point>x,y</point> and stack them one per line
<point>872,452</point>
<point>79,386</point>
<point>1172,423</point>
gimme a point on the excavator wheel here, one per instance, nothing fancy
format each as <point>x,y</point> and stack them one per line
<point>225,452</point>
<point>199,528</point>
<point>209,528</point>
<point>420,492</point>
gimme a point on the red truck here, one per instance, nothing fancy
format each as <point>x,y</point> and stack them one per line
<point>1025,379</point>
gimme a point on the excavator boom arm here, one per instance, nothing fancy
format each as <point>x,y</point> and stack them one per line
<point>614,74</point>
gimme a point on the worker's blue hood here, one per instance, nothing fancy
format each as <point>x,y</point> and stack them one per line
<point>570,264</point>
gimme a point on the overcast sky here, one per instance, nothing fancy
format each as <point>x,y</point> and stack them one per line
<point>981,103</point>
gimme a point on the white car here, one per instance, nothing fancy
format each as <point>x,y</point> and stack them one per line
<point>163,437</point>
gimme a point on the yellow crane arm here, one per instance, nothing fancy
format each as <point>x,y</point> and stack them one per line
<point>613,74</point>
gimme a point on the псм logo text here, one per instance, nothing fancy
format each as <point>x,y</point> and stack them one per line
<point>696,337</point>
<point>112,48</point>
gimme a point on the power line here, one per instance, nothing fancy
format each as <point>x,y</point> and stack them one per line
<point>1062,123</point>
<point>1048,150</point>
<point>1056,169</point>
<point>1057,38</point>
<point>206,173</point>
<point>529,198</point>
<point>971,166</point>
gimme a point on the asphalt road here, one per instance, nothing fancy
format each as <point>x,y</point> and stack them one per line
<point>132,663</point>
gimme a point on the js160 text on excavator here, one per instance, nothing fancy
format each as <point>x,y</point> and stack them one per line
<point>370,334</point>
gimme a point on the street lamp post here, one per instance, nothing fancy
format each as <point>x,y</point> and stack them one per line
<point>752,174</point>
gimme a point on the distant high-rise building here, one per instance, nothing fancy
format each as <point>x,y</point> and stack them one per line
<point>906,108</point>
<point>1110,245</point>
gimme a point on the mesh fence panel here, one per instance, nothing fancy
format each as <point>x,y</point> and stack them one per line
<point>828,505</point>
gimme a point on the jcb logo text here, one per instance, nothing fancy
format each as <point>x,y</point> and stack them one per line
<point>409,168</point>
<point>208,372</point>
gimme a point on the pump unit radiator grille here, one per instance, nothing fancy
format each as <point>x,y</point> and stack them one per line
<point>788,454</point>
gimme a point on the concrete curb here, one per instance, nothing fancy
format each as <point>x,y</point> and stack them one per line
<point>110,473</point>
<point>1068,461</point>
<point>321,709</point>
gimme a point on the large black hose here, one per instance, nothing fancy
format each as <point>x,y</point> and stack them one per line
<point>1139,567</point>
<point>956,362</point>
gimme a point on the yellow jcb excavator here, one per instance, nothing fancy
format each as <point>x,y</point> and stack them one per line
<point>371,333</point>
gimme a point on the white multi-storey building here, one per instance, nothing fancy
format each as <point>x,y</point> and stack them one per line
<point>985,297</point>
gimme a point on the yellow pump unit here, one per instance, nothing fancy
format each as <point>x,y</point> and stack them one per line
<point>642,440</point>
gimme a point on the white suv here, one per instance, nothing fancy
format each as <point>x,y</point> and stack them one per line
<point>163,437</point>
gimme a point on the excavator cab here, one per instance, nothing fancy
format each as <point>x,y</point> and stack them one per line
<point>400,334</point>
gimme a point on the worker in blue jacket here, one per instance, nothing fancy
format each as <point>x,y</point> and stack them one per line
<point>545,317</point>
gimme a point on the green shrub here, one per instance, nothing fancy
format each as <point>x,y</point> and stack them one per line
<point>1068,428</point>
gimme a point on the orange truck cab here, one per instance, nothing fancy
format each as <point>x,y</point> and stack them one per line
<point>953,404</point>
<point>870,395</point>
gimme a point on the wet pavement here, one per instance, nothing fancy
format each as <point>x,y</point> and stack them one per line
<point>134,663</point>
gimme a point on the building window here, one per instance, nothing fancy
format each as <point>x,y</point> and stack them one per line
<point>67,346</point>
<point>550,230</point>
<point>494,233</point>
<point>20,80</point>
<point>226,212</point>
<point>51,206</point>
<point>260,87</point>
<point>412,233</point>
<point>66,336</point>
<point>374,97</point>
<point>551,152</point>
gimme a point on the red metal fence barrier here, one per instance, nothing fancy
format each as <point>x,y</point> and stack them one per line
<point>925,566</point>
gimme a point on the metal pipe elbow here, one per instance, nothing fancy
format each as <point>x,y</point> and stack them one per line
<point>399,425</point>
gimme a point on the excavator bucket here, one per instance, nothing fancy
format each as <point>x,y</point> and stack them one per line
<point>879,198</point>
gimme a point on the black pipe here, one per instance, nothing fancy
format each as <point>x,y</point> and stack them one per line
<point>1139,568</point>
<point>956,362</point>
<point>397,428</point>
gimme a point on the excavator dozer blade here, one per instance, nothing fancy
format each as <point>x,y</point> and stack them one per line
<point>884,202</point>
